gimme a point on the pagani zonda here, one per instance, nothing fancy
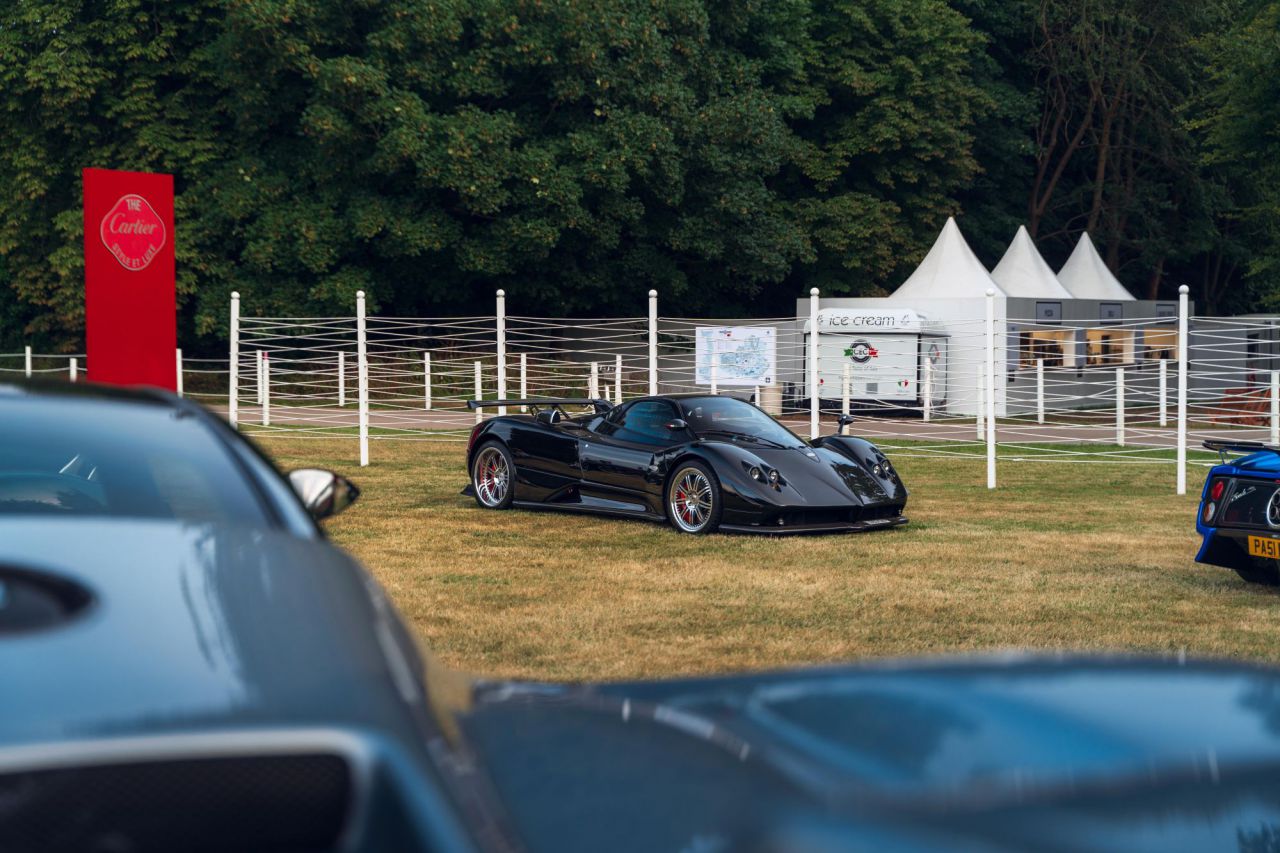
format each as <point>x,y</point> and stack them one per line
<point>702,462</point>
<point>1239,517</point>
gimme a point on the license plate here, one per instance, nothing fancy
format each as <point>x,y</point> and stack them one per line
<point>1260,546</point>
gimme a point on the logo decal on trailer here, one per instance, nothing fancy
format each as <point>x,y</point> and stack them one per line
<point>133,232</point>
<point>861,352</point>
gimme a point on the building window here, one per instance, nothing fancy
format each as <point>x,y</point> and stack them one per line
<point>1160,344</point>
<point>1108,347</point>
<point>1056,347</point>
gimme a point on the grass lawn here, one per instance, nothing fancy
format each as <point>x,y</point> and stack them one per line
<point>1093,556</point>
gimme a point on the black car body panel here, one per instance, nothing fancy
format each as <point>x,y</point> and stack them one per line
<point>1006,752</point>
<point>828,485</point>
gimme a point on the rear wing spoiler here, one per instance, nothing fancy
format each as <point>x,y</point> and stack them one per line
<point>535,403</point>
<point>1225,446</point>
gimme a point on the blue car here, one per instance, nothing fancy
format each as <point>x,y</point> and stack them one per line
<point>1239,515</point>
<point>187,664</point>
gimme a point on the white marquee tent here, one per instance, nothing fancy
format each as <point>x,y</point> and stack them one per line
<point>950,271</point>
<point>1086,276</point>
<point>1023,272</point>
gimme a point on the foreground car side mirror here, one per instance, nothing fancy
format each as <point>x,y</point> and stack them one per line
<point>677,425</point>
<point>323,493</point>
<point>844,420</point>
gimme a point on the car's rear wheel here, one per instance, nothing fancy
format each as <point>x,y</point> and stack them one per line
<point>694,504</point>
<point>493,476</point>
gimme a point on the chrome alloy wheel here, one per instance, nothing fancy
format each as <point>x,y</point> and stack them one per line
<point>492,477</point>
<point>689,500</point>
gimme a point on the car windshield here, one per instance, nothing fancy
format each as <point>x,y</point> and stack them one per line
<point>69,456</point>
<point>732,417</point>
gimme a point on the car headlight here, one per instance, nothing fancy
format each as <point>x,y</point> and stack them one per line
<point>756,473</point>
<point>774,477</point>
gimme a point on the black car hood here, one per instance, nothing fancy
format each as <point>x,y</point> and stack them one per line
<point>1010,753</point>
<point>820,476</point>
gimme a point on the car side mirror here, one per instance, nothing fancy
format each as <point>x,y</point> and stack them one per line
<point>677,425</point>
<point>844,420</point>
<point>322,492</point>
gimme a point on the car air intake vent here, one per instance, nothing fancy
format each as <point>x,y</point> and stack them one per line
<point>256,803</point>
<point>30,601</point>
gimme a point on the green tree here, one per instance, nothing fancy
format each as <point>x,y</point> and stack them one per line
<point>889,145</point>
<point>111,84</point>
<point>574,154</point>
<point>1238,124</point>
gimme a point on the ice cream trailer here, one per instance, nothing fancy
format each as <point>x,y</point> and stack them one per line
<point>892,359</point>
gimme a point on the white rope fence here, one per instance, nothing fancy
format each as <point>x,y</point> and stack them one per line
<point>1133,391</point>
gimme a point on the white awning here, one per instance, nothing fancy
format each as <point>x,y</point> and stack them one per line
<point>951,270</point>
<point>1023,272</point>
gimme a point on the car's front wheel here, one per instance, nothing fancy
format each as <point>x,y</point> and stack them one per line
<point>694,504</point>
<point>493,476</point>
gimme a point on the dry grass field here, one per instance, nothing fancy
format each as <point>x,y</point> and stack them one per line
<point>1061,557</point>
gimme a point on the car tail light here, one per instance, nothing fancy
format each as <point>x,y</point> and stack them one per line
<point>1209,509</point>
<point>1216,490</point>
<point>475,433</point>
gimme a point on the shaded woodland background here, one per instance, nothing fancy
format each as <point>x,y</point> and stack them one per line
<point>730,154</point>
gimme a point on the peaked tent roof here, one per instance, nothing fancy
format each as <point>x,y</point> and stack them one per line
<point>950,270</point>
<point>1022,272</point>
<point>1085,274</point>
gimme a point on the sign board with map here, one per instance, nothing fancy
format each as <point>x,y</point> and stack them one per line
<point>745,356</point>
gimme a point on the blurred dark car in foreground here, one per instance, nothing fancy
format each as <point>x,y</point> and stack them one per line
<point>187,664</point>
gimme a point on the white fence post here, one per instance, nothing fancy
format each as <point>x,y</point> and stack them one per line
<point>524,379</point>
<point>26,357</point>
<point>1275,407</point>
<point>991,389</point>
<point>1182,389</point>
<point>1164,392</point>
<point>715,368</point>
<point>426,380</point>
<point>1120,406</point>
<point>502,349</point>
<point>265,372</point>
<point>178,366</point>
<point>653,342</point>
<point>73,369</point>
<point>233,389</point>
<point>617,379</point>
<point>593,384</point>
<point>362,378</point>
<point>342,379</point>
<point>846,380</point>
<point>1040,390</point>
<point>479,389</point>
<point>927,398</point>
<point>813,363</point>
<point>258,376</point>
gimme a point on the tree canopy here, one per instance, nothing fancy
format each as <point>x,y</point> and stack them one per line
<point>730,153</point>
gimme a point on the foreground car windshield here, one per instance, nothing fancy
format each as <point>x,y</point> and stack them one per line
<point>734,417</point>
<point>75,457</point>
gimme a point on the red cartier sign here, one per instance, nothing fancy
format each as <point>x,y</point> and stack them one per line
<point>130,306</point>
<point>133,232</point>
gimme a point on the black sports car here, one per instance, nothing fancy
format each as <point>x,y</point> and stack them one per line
<point>703,462</point>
